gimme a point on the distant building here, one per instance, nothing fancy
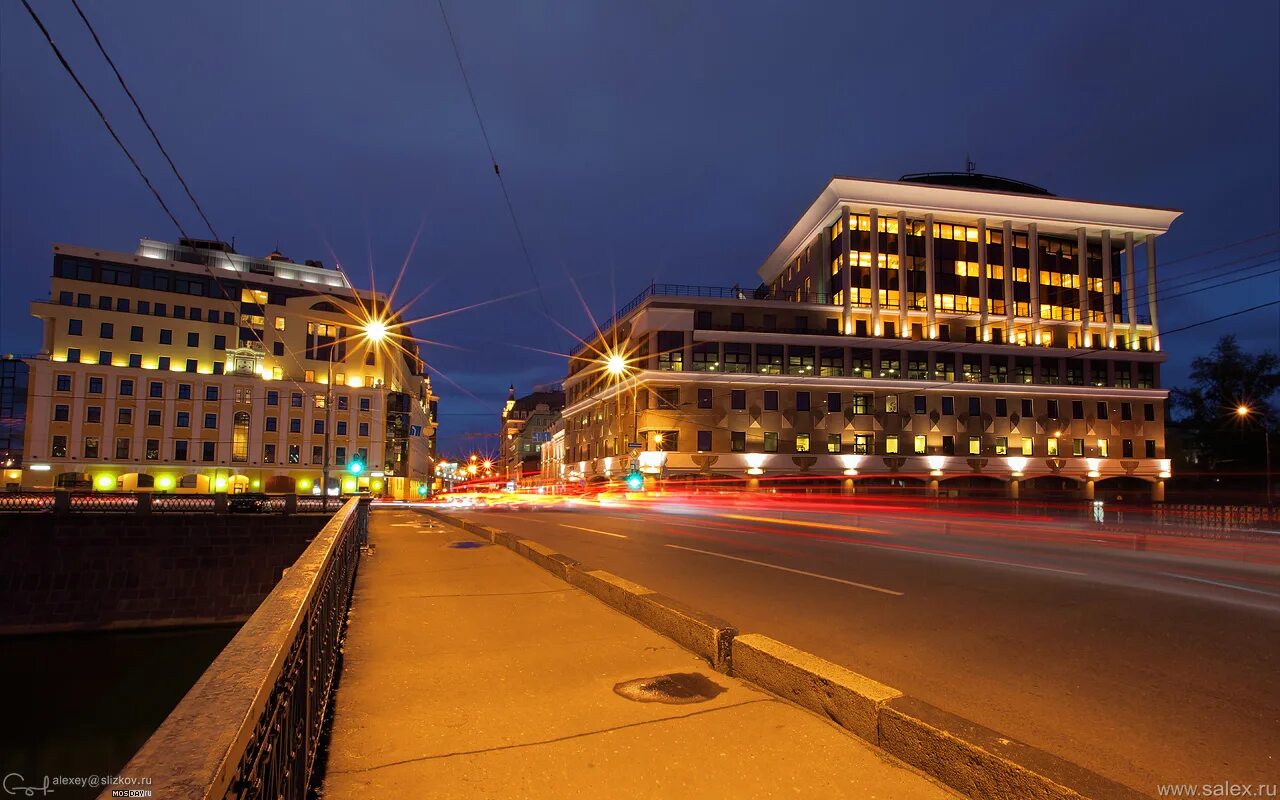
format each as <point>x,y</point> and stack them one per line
<point>13,418</point>
<point>553,466</point>
<point>193,367</point>
<point>526,426</point>
<point>951,332</point>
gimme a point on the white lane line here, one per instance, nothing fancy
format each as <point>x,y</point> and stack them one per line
<point>593,530</point>
<point>1220,583</point>
<point>880,589</point>
<point>984,560</point>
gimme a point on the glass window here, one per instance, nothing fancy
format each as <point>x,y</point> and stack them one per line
<point>833,443</point>
<point>153,449</point>
<point>770,399</point>
<point>802,401</point>
<point>155,389</point>
<point>891,445</point>
<point>704,441</point>
<point>1077,447</point>
<point>738,399</point>
<point>738,441</point>
<point>106,330</point>
<point>919,444</point>
<point>975,445</point>
<point>154,417</point>
<point>771,441</point>
<point>704,398</point>
<point>182,419</point>
<point>63,384</point>
<point>95,385</point>
<point>802,442</point>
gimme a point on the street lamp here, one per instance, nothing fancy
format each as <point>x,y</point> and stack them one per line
<point>1243,412</point>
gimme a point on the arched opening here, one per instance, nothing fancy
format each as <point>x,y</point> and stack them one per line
<point>137,481</point>
<point>975,486</point>
<point>240,437</point>
<point>237,484</point>
<point>280,484</point>
<point>1123,489</point>
<point>902,485</point>
<point>193,484</point>
<point>73,480</point>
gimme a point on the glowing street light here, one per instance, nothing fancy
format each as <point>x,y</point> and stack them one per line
<point>1243,412</point>
<point>375,330</point>
<point>615,364</point>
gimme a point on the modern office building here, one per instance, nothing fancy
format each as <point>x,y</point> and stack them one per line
<point>191,367</point>
<point>13,418</point>
<point>954,332</point>
<point>525,425</point>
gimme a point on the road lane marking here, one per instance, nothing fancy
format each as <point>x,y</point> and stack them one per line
<point>593,530</point>
<point>869,587</point>
<point>804,524</point>
<point>987,561</point>
<point>1220,583</point>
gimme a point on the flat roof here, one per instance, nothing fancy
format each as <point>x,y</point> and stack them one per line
<point>1052,214</point>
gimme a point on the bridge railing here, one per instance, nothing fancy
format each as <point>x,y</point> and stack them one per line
<point>251,725</point>
<point>75,502</point>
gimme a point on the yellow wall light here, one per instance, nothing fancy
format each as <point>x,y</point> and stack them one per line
<point>304,484</point>
<point>105,482</point>
<point>164,482</point>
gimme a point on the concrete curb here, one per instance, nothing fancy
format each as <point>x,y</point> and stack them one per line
<point>848,699</point>
<point>972,759</point>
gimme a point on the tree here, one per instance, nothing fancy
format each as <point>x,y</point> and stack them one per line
<point>1221,381</point>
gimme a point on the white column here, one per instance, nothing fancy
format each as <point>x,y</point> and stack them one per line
<point>983,334</point>
<point>845,281</point>
<point>1082,260</point>
<point>904,326</point>
<point>1108,296</point>
<point>1151,290</point>
<point>930,310</point>
<point>1130,290</point>
<point>823,283</point>
<point>1033,279</point>
<point>1008,281</point>
<point>875,273</point>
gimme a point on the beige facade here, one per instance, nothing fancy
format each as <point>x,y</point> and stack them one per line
<point>194,368</point>
<point>909,374</point>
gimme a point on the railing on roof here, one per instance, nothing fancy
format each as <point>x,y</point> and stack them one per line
<point>711,292</point>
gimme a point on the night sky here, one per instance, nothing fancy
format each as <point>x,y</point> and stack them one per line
<point>640,141</point>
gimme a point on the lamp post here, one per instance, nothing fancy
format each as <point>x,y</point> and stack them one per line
<point>373,332</point>
<point>1243,412</point>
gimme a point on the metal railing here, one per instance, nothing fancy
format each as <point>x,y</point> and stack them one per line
<point>251,726</point>
<point>1220,518</point>
<point>79,502</point>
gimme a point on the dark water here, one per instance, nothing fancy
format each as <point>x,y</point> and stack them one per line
<point>81,704</point>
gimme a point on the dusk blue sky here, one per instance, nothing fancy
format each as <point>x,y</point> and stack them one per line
<point>640,141</point>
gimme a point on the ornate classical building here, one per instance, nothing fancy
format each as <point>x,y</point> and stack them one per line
<point>192,367</point>
<point>955,332</point>
<point>526,426</point>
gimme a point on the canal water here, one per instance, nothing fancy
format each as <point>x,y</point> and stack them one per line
<point>81,704</point>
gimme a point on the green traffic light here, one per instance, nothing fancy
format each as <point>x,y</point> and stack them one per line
<point>356,468</point>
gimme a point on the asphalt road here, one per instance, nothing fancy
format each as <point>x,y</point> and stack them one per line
<point>1149,666</point>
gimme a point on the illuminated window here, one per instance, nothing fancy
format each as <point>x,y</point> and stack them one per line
<point>975,445</point>
<point>1102,448</point>
<point>1052,446</point>
<point>1002,445</point>
<point>918,445</point>
<point>862,443</point>
<point>1027,447</point>
<point>891,445</point>
<point>833,443</point>
<point>253,296</point>
<point>802,442</point>
<point>279,323</point>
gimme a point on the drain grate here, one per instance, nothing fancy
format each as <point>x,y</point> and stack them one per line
<point>676,688</point>
<point>465,545</point>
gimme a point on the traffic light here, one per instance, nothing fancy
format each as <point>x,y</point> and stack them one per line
<point>422,490</point>
<point>356,468</point>
<point>635,481</point>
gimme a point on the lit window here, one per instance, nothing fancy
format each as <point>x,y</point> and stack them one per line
<point>975,445</point>
<point>919,444</point>
<point>802,442</point>
<point>891,445</point>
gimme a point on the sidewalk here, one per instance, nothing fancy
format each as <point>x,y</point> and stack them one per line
<point>472,673</point>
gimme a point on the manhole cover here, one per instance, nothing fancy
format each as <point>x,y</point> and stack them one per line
<point>466,545</point>
<point>677,688</point>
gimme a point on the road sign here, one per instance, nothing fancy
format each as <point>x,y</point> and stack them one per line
<point>635,445</point>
